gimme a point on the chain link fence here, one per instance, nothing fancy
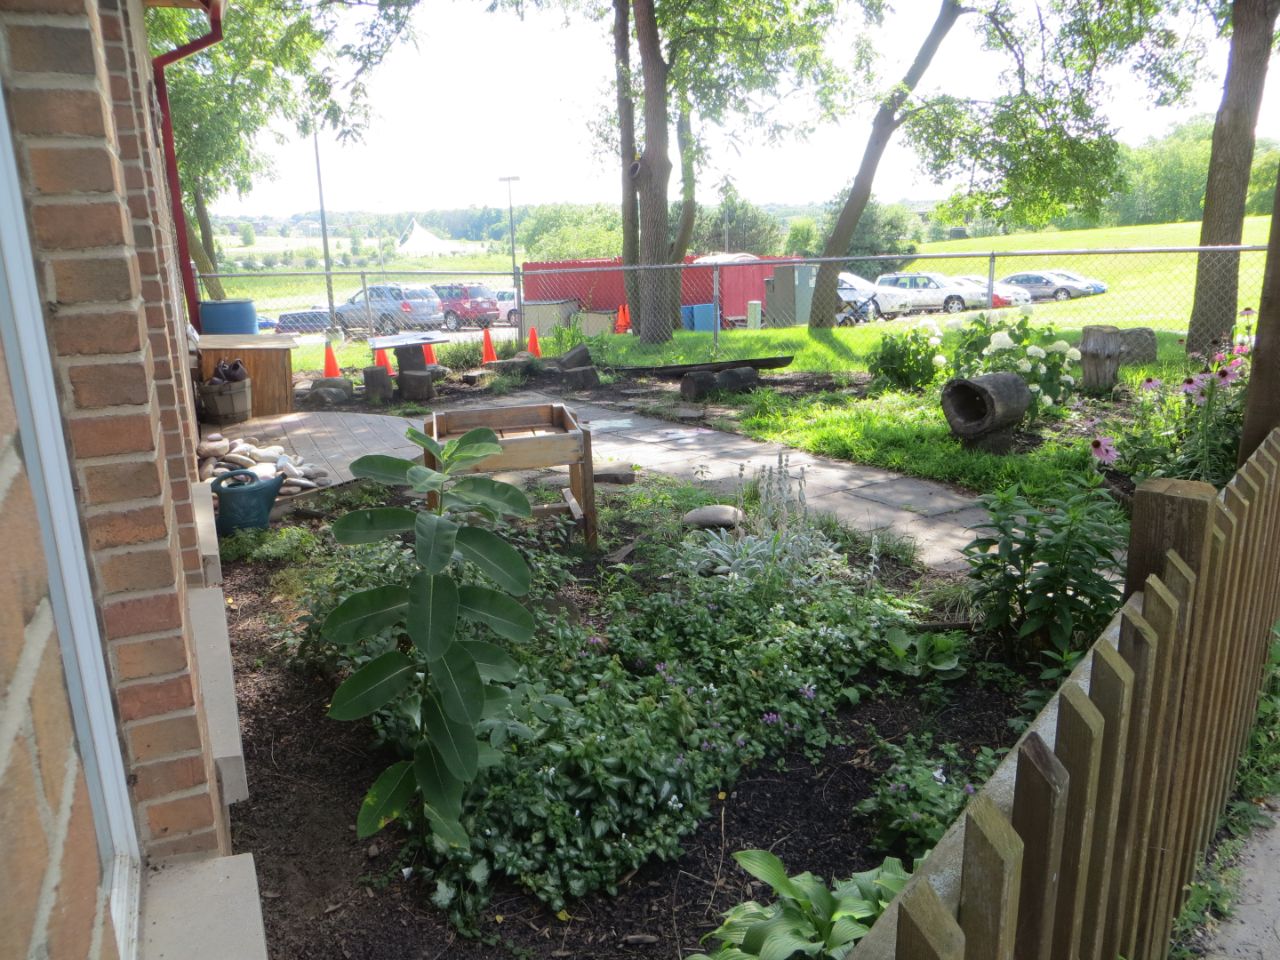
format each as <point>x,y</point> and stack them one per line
<point>731,307</point>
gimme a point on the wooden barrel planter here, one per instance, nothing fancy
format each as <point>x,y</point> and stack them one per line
<point>983,411</point>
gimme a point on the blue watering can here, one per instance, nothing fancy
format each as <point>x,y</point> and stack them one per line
<point>244,506</point>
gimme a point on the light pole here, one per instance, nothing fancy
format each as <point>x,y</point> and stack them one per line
<point>515,271</point>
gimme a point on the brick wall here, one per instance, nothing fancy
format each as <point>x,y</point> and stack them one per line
<point>78,92</point>
<point>54,900</point>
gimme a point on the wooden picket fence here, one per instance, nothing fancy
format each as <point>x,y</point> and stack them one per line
<point>1081,845</point>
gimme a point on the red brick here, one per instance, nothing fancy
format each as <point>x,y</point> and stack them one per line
<point>77,226</point>
<point>185,815</point>
<point>116,62</point>
<point>109,385</point>
<point>46,49</point>
<point>201,842</point>
<point>51,718</point>
<point>70,929</point>
<point>112,28</point>
<point>123,527</point>
<point>23,851</point>
<point>61,170</point>
<point>95,279</point>
<point>141,700</point>
<point>138,615</point>
<point>108,939</point>
<point>23,576</point>
<point>163,738</point>
<point>114,482</point>
<point>153,780</point>
<point>89,334</point>
<point>103,436</point>
<point>150,658</point>
<point>40,112</point>
<point>136,570</point>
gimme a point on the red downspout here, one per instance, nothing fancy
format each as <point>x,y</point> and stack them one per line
<point>214,9</point>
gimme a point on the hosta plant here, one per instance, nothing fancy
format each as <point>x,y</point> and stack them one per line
<point>447,685</point>
<point>807,919</point>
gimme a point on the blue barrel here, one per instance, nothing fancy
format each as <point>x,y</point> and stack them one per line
<point>686,317</point>
<point>704,317</point>
<point>228,317</point>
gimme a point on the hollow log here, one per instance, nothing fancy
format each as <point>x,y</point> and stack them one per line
<point>416,385</point>
<point>377,385</point>
<point>738,379</point>
<point>697,385</point>
<point>1100,349</point>
<point>983,411</point>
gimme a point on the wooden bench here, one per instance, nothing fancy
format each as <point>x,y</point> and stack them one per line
<point>532,437</point>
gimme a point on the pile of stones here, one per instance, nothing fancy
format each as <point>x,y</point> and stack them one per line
<point>219,455</point>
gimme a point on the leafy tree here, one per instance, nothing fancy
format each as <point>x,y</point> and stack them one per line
<point>1164,178</point>
<point>566,231</point>
<point>881,229</point>
<point>1038,145</point>
<point>736,225</point>
<point>284,229</point>
<point>802,238</point>
<point>247,236</point>
<point>1252,26</point>
<point>1262,182</point>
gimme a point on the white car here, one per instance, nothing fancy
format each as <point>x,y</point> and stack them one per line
<point>932,292</point>
<point>863,300</point>
<point>1003,294</point>
<point>507,312</point>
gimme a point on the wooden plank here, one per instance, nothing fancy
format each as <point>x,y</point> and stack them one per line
<point>926,930</point>
<point>991,880</point>
<point>531,453</point>
<point>1110,689</point>
<point>551,509</point>
<point>1039,818</point>
<point>270,372</point>
<point>259,341</point>
<point>587,491</point>
<point>1078,745</point>
<point>1167,515</point>
<point>524,415</point>
<point>575,509</point>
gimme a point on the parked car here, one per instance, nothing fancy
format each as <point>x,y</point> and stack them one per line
<point>1002,294</point>
<point>862,300</point>
<point>1094,285</point>
<point>1044,285</point>
<point>931,292</point>
<point>467,303</point>
<point>507,306</point>
<point>391,308</point>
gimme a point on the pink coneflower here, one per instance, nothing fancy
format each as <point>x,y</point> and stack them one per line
<point>1227,375</point>
<point>1236,362</point>
<point>1152,383</point>
<point>1219,357</point>
<point>1200,397</point>
<point>1189,385</point>
<point>1240,349</point>
<point>1090,423</point>
<point>1104,448</point>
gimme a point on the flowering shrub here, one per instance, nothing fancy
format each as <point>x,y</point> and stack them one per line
<point>993,342</point>
<point>910,360</point>
<point>922,792</point>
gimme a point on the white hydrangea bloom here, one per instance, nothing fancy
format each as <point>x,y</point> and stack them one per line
<point>1059,346</point>
<point>954,324</point>
<point>1024,366</point>
<point>1034,351</point>
<point>1000,340</point>
<point>939,360</point>
<point>934,341</point>
<point>1040,369</point>
<point>1068,380</point>
<point>1073,354</point>
<point>1034,388</point>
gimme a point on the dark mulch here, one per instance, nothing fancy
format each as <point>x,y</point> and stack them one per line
<point>327,894</point>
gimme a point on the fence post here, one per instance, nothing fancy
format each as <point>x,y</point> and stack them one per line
<point>1167,515</point>
<point>715,307</point>
<point>1039,817</point>
<point>522,331</point>
<point>991,881</point>
<point>368,309</point>
<point>991,280</point>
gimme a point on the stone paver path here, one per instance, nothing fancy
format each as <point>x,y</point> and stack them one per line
<point>1253,930</point>
<point>937,518</point>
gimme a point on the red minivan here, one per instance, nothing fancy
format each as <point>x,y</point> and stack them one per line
<point>466,303</point>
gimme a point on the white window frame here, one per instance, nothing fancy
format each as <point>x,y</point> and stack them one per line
<point>44,454</point>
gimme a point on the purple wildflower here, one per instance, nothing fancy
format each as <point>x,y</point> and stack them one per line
<point>770,718</point>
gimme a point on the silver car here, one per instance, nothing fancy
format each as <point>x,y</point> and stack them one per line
<point>1046,285</point>
<point>1003,294</point>
<point>389,308</point>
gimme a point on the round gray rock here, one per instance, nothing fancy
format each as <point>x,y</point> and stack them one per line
<point>716,516</point>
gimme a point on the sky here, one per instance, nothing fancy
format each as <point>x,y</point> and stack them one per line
<point>482,95</point>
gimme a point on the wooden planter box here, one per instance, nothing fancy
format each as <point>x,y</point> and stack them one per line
<point>532,437</point>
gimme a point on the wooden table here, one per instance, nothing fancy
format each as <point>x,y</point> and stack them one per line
<point>267,357</point>
<point>532,437</point>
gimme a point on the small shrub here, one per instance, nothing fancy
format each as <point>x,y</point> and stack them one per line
<point>993,342</point>
<point>277,545</point>
<point>922,792</point>
<point>908,361</point>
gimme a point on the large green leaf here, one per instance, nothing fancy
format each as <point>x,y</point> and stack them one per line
<point>386,799</point>
<point>496,558</point>
<point>461,687</point>
<point>433,541</point>
<point>440,788</point>
<point>433,614</point>
<point>497,611</point>
<point>365,613</point>
<point>374,685</point>
<point>384,469</point>
<point>424,479</point>
<point>450,831</point>
<point>426,443</point>
<point>366,526</point>
<point>494,662</point>
<point>765,866</point>
<point>502,498</point>
<point>474,444</point>
<point>456,742</point>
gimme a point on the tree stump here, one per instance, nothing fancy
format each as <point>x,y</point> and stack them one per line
<point>410,358</point>
<point>377,385</point>
<point>1100,349</point>
<point>416,385</point>
<point>1138,345</point>
<point>984,411</point>
<point>697,385</point>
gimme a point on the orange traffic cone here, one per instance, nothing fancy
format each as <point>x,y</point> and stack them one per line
<point>624,319</point>
<point>429,354</point>
<point>533,342</point>
<point>380,359</point>
<point>330,362</point>
<point>488,355</point>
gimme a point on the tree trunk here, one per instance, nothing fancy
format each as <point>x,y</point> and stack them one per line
<point>626,145</point>
<point>201,206</point>
<point>1262,401</point>
<point>652,175</point>
<point>1213,316</point>
<point>825,300</point>
<point>688,180</point>
<point>204,267</point>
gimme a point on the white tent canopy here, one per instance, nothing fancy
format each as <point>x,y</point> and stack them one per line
<point>421,242</point>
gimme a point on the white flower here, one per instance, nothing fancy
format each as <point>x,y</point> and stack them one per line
<point>1073,354</point>
<point>1068,380</point>
<point>931,326</point>
<point>939,360</point>
<point>1034,351</point>
<point>1034,388</point>
<point>1040,369</point>
<point>954,324</point>
<point>1059,346</point>
<point>1000,340</point>
<point>934,341</point>
<point>1024,366</point>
